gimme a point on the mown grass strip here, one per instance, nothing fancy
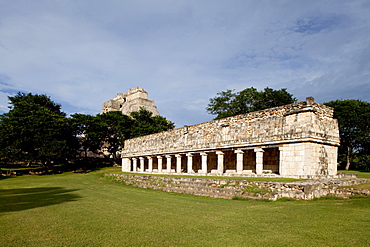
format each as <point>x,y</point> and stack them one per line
<point>88,210</point>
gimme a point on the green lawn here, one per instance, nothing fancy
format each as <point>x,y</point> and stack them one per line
<point>88,210</point>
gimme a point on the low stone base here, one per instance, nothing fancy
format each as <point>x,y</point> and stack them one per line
<point>250,173</point>
<point>257,190</point>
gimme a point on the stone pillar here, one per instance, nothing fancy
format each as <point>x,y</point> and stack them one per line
<point>220,162</point>
<point>126,165</point>
<point>282,165</point>
<point>178,163</point>
<point>150,164</point>
<point>190,162</point>
<point>239,160</point>
<point>168,163</point>
<point>204,162</point>
<point>159,163</point>
<point>333,160</point>
<point>259,160</point>
<point>142,164</point>
<point>134,164</point>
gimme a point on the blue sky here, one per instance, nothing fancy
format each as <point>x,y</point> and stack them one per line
<point>82,53</point>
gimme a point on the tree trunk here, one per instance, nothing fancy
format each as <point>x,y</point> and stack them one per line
<point>348,158</point>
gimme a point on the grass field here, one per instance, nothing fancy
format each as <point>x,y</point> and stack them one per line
<point>88,210</point>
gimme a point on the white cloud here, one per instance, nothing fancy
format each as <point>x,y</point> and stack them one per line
<point>83,53</point>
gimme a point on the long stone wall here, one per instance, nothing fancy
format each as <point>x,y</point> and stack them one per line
<point>256,190</point>
<point>303,137</point>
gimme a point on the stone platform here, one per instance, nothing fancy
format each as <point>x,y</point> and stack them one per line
<point>255,190</point>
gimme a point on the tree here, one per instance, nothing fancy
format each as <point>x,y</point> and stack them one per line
<point>145,123</point>
<point>81,123</point>
<point>35,130</point>
<point>228,103</point>
<point>116,129</point>
<point>105,133</point>
<point>354,127</point>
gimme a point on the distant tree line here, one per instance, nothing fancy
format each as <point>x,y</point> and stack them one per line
<point>36,131</point>
<point>353,118</point>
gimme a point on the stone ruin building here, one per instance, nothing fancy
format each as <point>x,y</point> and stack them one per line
<point>130,101</point>
<point>295,140</point>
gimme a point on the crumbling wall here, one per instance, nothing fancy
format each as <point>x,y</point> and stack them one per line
<point>295,123</point>
<point>131,101</point>
<point>257,190</point>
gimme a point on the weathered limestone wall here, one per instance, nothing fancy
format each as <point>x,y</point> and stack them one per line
<point>313,159</point>
<point>294,123</point>
<point>299,139</point>
<point>130,101</point>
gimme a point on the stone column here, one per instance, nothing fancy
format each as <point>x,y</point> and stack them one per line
<point>204,162</point>
<point>126,164</point>
<point>142,164</point>
<point>239,160</point>
<point>282,166</point>
<point>178,163</point>
<point>190,162</point>
<point>259,160</point>
<point>150,164</point>
<point>159,163</point>
<point>134,164</point>
<point>168,163</point>
<point>220,162</point>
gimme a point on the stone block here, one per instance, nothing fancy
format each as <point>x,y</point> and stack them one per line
<point>247,171</point>
<point>230,171</point>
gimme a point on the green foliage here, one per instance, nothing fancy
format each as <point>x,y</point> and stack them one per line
<point>35,130</point>
<point>228,103</point>
<point>145,123</point>
<point>105,133</point>
<point>111,130</point>
<point>354,128</point>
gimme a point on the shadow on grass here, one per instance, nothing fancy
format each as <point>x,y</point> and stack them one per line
<point>22,199</point>
<point>5,177</point>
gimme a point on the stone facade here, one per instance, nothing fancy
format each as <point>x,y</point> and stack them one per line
<point>130,101</point>
<point>299,139</point>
